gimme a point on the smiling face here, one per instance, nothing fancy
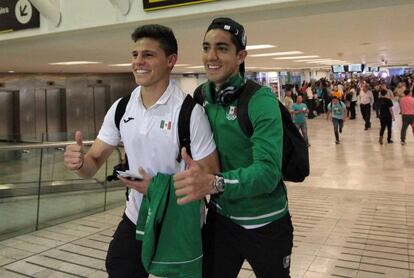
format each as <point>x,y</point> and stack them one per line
<point>150,64</point>
<point>220,57</point>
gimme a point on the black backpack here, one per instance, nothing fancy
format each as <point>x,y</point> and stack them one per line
<point>183,130</point>
<point>295,163</point>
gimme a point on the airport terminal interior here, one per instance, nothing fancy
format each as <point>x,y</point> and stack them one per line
<point>62,66</point>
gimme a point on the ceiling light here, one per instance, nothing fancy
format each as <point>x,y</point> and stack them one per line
<point>11,71</point>
<point>276,54</point>
<point>323,61</point>
<point>181,65</point>
<point>120,65</point>
<point>259,46</point>
<point>73,63</point>
<point>296,57</point>
<point>195,67</point>
<point>313,60</point>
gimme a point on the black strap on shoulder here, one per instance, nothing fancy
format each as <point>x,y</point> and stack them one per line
<point>249,89</point>
<point>119,113</point>
<point>120,110</point>
<point>199,95</point>
<point>184,125</point>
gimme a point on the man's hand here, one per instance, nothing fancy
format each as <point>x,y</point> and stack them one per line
<point>74,154</point>
<point>193,183</point>
<point>140,186</point>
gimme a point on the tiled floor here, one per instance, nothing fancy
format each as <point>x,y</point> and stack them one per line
<point>353,217</point>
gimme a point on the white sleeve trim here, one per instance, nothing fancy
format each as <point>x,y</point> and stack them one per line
<point>108,132</point>
<point>202,140</point>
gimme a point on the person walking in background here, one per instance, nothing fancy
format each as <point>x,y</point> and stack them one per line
<point>366,99</point>
<point>337,110</point>
<point>299,111</point>
<point>310,100</point>
<point>354,100</point>
<point>288,101</point>
<point>376,94</point>
<point>407,113</point>
<point>386,116</point>
<point>336,93</point>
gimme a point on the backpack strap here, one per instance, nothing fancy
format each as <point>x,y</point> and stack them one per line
<point>249,89</point>
<point>184,126</point>
<point>120,110</point>
<point>199,95</point>
<point>119,113</point>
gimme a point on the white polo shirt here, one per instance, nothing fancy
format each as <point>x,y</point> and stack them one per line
<point>150,137</point>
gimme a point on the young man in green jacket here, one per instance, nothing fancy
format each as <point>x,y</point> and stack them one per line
<point>248,217</point>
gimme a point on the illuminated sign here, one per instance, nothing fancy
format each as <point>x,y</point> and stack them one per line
<point>17,15</point>
<point>151,5</point>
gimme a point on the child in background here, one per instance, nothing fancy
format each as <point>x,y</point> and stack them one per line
<point>337,110</point>
<point>299,110</point>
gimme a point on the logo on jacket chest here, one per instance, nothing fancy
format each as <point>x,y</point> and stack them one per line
<point>231,113</point>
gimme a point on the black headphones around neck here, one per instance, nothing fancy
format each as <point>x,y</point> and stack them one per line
<point>226,94</point>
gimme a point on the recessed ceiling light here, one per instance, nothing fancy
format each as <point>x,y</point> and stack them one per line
<point>323,61</point>
<point>120,65</point>
<point>73,63</point>
<point>259,46</point>
<point>296,57</point>
<point>276,54</point>
<point>313,60</point>
<point>11,71</point>
<point>195,67</point>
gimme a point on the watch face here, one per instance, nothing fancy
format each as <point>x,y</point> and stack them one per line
<point>219,184</point>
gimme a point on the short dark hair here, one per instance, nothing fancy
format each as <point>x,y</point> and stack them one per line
<point>406,92</point>
<point>163,34</point>
<point>383,92</point>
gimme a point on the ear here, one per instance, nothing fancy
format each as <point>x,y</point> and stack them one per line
<point>241,56</point>
<point>172,59</point>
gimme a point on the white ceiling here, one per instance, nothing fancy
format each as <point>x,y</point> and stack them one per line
<point>356,31</point>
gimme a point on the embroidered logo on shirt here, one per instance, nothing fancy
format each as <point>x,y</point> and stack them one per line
<point>129,119</point>
<point>165,125</point>
<point>231,115</point>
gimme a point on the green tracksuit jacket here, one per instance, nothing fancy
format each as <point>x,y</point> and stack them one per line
<point>254,191</point>
<point>170,233</point>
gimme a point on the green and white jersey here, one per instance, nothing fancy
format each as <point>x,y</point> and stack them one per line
<point>254,193</point>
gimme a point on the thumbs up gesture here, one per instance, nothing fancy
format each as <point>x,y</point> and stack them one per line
<point>74,154</point>
<point>193,183</point>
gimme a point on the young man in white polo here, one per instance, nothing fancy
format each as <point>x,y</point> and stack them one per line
<point>150,148</point>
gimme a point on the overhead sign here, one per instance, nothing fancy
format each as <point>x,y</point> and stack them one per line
<point>17,15</point>
<point>150,5</point>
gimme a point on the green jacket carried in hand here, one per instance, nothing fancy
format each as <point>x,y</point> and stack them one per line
<point>170,233</point>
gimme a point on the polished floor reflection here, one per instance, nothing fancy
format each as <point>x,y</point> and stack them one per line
<point>353,217</point>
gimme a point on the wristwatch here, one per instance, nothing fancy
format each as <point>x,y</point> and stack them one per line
<point>219,183</point>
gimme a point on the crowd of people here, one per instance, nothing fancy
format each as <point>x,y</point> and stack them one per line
<point>339,100</point>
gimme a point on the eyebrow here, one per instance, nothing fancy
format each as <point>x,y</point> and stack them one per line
<point>217,44</point>
<point>134,52</point>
